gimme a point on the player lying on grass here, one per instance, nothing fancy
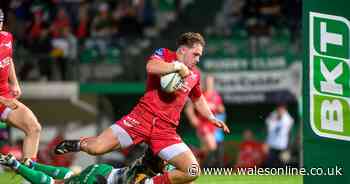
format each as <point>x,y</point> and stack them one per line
<point>147,166</point>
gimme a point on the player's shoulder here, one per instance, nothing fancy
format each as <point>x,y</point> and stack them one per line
<point>162,52</point>
<point>288,118</point>
<point>5,33</point>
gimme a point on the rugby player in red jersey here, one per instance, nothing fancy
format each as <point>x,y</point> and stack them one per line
<point>12,111</point>
<point>155,118</point>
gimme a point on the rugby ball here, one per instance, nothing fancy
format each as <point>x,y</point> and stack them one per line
<point>171,82</point>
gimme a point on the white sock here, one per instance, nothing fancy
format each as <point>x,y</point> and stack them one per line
<point>15,164</point>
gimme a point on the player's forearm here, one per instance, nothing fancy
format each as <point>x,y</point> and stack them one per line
<point>12,76</point>
<point>202,107</point>
<point>161,67</point>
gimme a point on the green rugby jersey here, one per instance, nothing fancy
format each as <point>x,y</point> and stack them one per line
<point>88,175</point>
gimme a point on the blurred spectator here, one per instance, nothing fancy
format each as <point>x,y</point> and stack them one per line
<point>121,9</point>
<point>145,13</point>
<point>207,131</point>
<point>21,8</point>
<point>293,17</point>
<point>251,152</point>
<point>101,29</point>
<point>60,22</point>
<point>40,45</point>
<point>15,150</point>
<point>18,16</point>
<point>128,24</point>
<point>43,46</point>
<point>71,7</point>
<point>64,51</point>
<point>72,44</point>
<point>229,18</point>
<point>270,12</point>
<point>101,24</point>
<point>262,16</point>
<point>38,42</point>
<point>82,30</point>
<point>36,28</point>
<point>96,24</point>
<point>279,124</point>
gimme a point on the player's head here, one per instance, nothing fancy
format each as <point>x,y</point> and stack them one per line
<point>147,166</point>
<point>190,48</point>
<point>2,19</point>
<point>281,109</point>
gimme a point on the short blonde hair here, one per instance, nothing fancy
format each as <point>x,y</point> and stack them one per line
<point>189,39</point>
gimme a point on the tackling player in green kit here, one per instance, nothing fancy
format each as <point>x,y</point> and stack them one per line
<point>148,165</point>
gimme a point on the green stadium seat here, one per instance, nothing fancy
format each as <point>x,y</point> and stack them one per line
<point>166,5</point>
<point>88,56</point>
<point>113,55</point>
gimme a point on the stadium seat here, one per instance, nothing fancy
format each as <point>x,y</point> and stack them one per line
<point>113,55</point>
<point>88,56</point>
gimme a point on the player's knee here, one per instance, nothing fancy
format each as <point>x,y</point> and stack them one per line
<point>34,128</point>
<point>31,122</point>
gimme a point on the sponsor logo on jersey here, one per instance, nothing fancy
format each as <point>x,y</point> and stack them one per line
<point>159,52</point>
<point>5,62</point>
<point>183,86</point>
<point>8,44</point>
<point>130,122</point>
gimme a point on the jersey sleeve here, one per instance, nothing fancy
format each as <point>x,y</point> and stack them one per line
<point>161,54</point>
<point>196,92</point>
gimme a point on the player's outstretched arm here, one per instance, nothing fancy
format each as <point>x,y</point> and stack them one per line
<point>202,107</point>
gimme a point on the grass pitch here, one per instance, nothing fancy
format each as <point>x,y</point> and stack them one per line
<point>12,178</point>
<point>250,180</point>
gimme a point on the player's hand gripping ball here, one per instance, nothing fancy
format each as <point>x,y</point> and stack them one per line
<point>171,82</point>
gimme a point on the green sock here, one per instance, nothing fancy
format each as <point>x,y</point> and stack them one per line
<point>53,171</point>
<point>35,177</point>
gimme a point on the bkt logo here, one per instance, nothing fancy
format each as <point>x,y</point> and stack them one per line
<point>329,75</point>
